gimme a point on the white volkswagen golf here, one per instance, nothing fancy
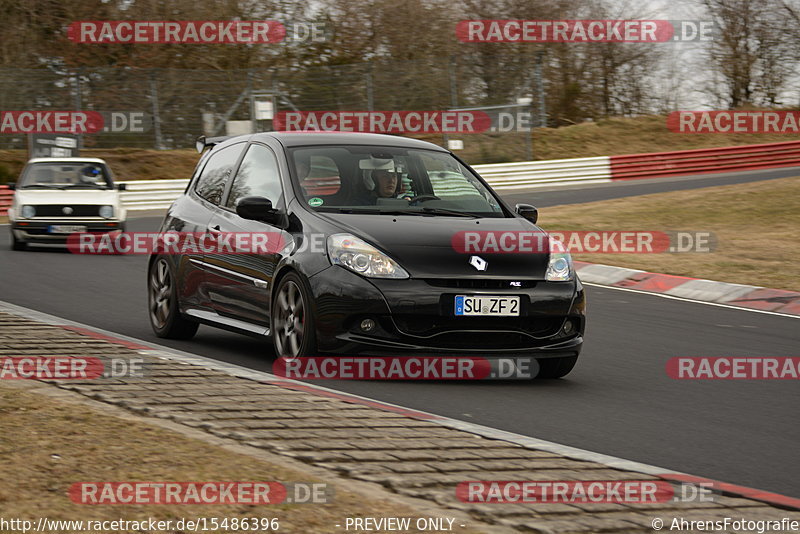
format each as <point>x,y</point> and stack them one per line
<point>55,197</point>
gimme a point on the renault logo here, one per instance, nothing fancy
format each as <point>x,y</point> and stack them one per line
<point>67,210</point>
<point>478,262</point>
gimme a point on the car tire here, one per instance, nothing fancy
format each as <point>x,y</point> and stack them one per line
<point>16,244</point>
<point>550,368</point>
<point>292,321</point>
<point>162,303</point>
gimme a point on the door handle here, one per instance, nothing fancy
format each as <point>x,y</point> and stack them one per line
<point>214,229</point>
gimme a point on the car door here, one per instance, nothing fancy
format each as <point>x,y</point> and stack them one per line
<point>200,204</point>
<point>239,283</point>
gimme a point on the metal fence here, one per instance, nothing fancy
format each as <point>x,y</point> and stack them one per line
<point>176,100</point>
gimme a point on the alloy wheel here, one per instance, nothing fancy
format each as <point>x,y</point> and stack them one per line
<point>289,320</point>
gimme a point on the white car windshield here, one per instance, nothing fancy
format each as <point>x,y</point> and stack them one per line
<point>66,175</point>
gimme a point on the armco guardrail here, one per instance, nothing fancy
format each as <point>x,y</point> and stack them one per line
<point>502,176</point>
<point>705,160</point>
<point>151,194</point>
<point>159,194</point>
<point>6,195</point>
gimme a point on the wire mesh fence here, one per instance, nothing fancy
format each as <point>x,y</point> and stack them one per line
<point>180,104</point>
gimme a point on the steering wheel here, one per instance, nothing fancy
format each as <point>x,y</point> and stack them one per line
<point>419,198</point>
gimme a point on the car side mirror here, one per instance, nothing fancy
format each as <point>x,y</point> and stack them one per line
<point>257,209</point>
<point>527,212</point>
<point>122,187</point>
<point>12,185</point>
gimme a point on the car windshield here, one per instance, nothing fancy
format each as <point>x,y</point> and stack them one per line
<point>66,175</point>
<point>389,180</point>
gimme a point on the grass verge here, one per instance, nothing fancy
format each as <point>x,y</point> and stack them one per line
<point>756,225</point>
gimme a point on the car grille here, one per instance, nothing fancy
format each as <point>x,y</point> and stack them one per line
<point>480,340</point>
<point>57,210</point>
<point>478,332</point>
<point>479,283</point>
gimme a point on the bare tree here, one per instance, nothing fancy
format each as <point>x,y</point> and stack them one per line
<point>752,52</point>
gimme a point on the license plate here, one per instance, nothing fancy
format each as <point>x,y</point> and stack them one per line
<point>65,228</point>
<point>487,306</point>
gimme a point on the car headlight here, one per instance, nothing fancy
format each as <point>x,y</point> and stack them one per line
<point>560,268</point>
<point>360,257</point>
<point>27,212</point>
<point>106,212</point>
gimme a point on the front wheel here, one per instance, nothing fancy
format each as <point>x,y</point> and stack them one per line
<point>555,367</point>
<point>16,244</point>
<point>292,321</point>
<point>162,301</point>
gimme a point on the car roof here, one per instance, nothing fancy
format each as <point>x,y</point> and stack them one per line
<point>66,160</point>
<point>295,139</point>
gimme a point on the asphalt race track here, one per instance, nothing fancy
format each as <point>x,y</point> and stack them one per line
<point>618,401</point>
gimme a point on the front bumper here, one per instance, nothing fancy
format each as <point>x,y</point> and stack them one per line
<point>38,231</point>
<point>415,317</point>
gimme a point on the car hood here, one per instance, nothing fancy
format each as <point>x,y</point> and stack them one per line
<point>424,245</point>
<point>67,196</point>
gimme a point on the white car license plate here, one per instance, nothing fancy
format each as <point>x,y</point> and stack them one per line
<point>66,228</point>
<point>487,305</point>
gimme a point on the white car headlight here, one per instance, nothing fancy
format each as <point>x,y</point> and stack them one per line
<point>106,212</point>
<point>560,268</point>
<point>27,212</point>
<point>360,257</point>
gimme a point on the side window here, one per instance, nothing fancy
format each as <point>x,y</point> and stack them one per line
<point>258,176</point>
<point>211,183</point>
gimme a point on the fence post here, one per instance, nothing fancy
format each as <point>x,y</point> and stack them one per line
<point>370,95</point>
<point>77,103</point>
<point>540,89</point>
<point>156,114</point>
<point>451,74</point>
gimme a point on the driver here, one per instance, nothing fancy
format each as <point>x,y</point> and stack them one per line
<point>386,183</point>
<point>90,174</point>
<point>380,179</point>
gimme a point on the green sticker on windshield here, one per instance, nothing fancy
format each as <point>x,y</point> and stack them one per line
<point>315,202</point>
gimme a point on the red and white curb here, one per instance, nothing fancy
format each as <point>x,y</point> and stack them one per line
<point>754,298</point>
<point>167,353</point>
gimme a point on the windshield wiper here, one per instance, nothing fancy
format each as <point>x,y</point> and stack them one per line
<point>420,212</point>
<point>445,211</point>
<point>347,210</point>
<point>42,186</point>
<point>95,186</point>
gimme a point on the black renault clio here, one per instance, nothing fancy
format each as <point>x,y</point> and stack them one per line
<point>369,262</point>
